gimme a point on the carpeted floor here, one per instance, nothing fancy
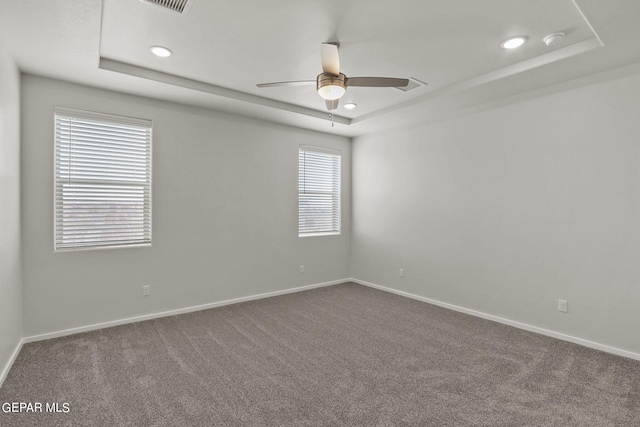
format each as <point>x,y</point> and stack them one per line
<point>344,355</point>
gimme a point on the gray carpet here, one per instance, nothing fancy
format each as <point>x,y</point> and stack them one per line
<point>345,355</point>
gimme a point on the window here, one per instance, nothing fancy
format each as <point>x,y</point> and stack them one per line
<point>318,191</point>
<point>102,180</point>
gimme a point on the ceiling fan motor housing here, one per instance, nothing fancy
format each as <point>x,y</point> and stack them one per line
<point>330,86</point>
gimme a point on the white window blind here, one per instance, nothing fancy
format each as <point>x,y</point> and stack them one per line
<point>102,180</point>
<point>318,191</point>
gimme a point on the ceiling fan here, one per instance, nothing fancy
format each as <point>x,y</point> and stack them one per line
<point>331,84</point>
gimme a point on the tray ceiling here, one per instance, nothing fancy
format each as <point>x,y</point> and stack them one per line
<point>222,49</point>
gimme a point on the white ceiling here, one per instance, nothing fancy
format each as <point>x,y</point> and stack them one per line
<point>223,48</point>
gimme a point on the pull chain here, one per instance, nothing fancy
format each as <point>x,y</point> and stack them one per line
<point>331,117</point>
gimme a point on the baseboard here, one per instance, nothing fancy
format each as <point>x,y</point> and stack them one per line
<point>525,326</point>
<point>93,327</point>
<point>7,367</point>
<point>520,325</point>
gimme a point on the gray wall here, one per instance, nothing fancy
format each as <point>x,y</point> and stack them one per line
<point>506,211</point>
<point>224,214</point>
<point>503,211</point>
<point>10,270</point>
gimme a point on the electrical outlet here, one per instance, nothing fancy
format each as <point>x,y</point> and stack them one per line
<point>301,269</point>
<point>563,305</point>
<point>401,272</point>
<point>146,290</point>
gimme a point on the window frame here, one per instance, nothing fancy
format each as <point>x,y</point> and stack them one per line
<point>147,185</point>
<point>336,205</point>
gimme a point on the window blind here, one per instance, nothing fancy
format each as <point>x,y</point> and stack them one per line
<point>318,191</point>
<point>102,180</point>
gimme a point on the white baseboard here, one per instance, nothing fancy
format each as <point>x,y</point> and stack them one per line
<point>109,324</point>
<point>7,367</point>
<point>527,327</point>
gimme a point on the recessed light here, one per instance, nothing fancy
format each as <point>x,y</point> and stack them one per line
<point>161,51</point>
<point>350,106</point>
<point>513,42</point>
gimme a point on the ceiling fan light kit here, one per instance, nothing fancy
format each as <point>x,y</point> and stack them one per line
<point>331,87</point>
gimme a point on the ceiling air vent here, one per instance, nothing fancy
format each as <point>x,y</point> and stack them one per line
<point>413,83</point>
<point>179,6</point>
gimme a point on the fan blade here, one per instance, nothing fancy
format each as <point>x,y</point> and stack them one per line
<point>376,82</point>
<point>296,83</point>
<point>332,105</point>
<point>330,59</point>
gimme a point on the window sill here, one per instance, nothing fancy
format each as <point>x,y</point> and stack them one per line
<point>98,248</point>
<point>327,233</point>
